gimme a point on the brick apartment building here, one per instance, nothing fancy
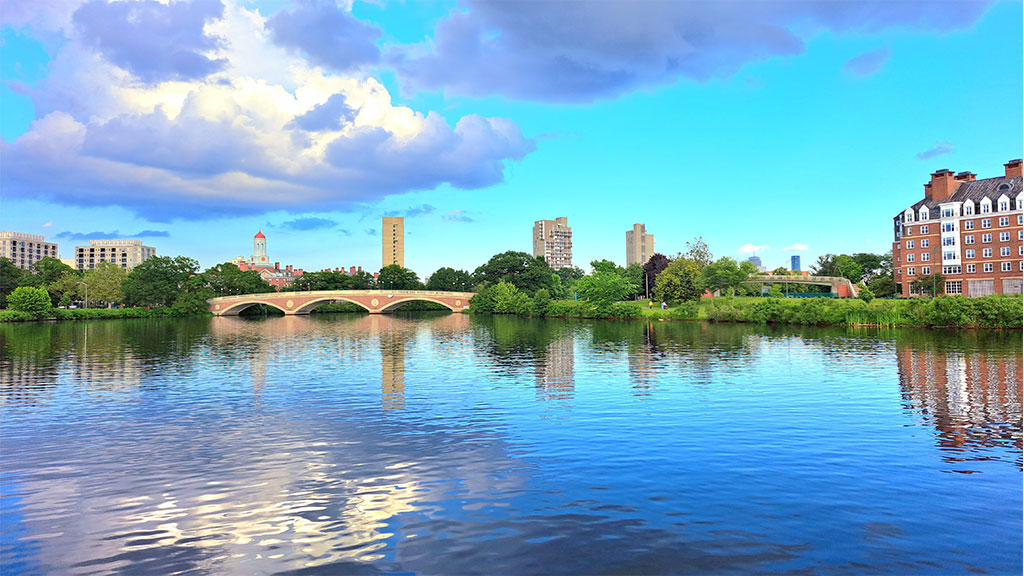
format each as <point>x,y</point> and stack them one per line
<point>971,231</point>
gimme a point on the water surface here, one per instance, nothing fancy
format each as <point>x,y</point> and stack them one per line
<point>450,444</point>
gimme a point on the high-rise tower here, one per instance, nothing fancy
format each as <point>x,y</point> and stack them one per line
<point>639,245</point>
<point>552,240</point>
<point>392,239</point>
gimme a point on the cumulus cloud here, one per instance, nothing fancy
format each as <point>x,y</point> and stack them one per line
<point>457,216</point>
<point>579,51</point>
<point>266,131</point>
<point>66,235</point>
<point>153,40</point>
<point>749,248</point>
<point>327,34</point>
<point>370,231</point>
<point>305,224</point>
<point>940,149</point>
<point>49,224</point>
<point>795,248</point>
<point>868,63</point>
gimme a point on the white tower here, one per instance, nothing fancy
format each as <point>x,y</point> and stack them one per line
<point>259,249</point>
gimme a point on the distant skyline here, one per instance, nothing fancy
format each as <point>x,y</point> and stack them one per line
<point>778,128</point>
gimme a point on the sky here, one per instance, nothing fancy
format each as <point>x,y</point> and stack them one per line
<point>778,128</point>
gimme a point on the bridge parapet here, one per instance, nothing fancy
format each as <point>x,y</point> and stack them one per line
<point>374,301</point>
<point>842,287</point>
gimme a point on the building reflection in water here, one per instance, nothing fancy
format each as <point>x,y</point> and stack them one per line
<point>555,368</point>
<point>641,363</point>
<point>973,398</point>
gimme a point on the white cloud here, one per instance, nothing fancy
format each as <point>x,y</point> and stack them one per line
<point>749,248</point>
<point>196,148</point>
<point>48,224</point>
<point>795,248</point>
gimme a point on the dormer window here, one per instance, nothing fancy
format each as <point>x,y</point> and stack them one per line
<point>908,216</point>
<point>986,206</point>
<point>968,208</point>
<point>1004,186</point>
<point>1004,203</point>
<point>924,213</point>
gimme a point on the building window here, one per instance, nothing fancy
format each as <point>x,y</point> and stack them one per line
<point>948,256</point>
<point>1004,251</point>
<point>969,239</point>
<point>910,244</point>
<point>949,241</point>
<point>1004,220</point>
<point>924,229</point>
<point>950,270</point>
<point>926,270</point>
<point>948,227</point>
<point>986,238</point>
<point>1004,236</point>
<point>971,268</point>
<point>953,287</point>
<point>986,253</point>
<point>969,225</point>
<point>910,230</point>
<point>969,254</point>
<point>1004,205</point>
<point>1007,266</point>
<point>1020,218</point>
<point>910,257</point>
<point>986,267</point>
<point>986,223</point>
<point>910,271</point>
<point>908,217</point>
<point>924,242</point>
<point>925,256</point>
<point>986,206</point>
<point>947,212</point>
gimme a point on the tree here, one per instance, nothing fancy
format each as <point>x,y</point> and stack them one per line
<point>680,281</point>
<point>50,270</point>
<point>871,265</point>
<point>35,301</point>
<point>394,277</point>
<point>105,282</point>
<point>634,274</point>
<point>604,286</point>
<point>158,281</point>
<point>451,280</point>
<point>698,251</point>
<point>10,276</point>
<point>842,266</point>
<point>569,275</point>
<point>781,271</point>
<point>227,280</point>
<point>725,273</point>
<point>604,266</point>
<point>931,285</point>
<point>654,266</point>
<point>526,272</point>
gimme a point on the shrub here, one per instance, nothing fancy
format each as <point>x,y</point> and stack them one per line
<point>34,301</point>
<point>866,294</point>
<point>950,311</point>
<point>541,302</point>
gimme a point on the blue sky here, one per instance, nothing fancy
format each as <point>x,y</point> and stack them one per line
<point>791,127</point>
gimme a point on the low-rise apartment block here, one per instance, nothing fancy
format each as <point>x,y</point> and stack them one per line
<point>24,250</point>
<point>970,231</point>
<point>125,253</point>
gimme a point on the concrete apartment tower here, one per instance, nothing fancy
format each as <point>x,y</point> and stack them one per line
<point>24,250</point>
<point>639,245</point>
<point>552,240</point>
<point>125,253</point>
<point>392,239</point>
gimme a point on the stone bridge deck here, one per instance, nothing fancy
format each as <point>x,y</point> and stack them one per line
<point>839,286</point>
<point>374,301</point>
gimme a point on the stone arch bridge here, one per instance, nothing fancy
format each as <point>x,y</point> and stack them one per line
<point>374,301</point>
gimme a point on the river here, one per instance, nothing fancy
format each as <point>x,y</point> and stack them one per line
<point>448,444</point>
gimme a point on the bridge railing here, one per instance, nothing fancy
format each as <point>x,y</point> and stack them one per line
<point>374,292</point>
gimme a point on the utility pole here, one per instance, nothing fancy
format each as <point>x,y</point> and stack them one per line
<point>86,293</point>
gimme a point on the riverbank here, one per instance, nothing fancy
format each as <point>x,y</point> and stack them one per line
<point>61,314</point>
<point>949,311</point>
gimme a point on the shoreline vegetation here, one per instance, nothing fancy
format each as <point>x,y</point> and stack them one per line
<point>994,311</point>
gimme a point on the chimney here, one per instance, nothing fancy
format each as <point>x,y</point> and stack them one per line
<point>966,176</point>
<point>351,270</point>
<point>288,268</point>
<point>277,265</point>
<point>1013,168</point>
<point>360,269</point>
<point>942,186</point>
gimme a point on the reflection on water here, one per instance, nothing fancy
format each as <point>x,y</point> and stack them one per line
<point>452,444</point>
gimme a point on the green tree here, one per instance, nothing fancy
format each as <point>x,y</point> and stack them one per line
<point>10,277</point>
<point>725,273</point>
<point>394,277</point>
<point>843,266</point>
<point>781,271</point>
<point>450,280</point>
<point>526,272</point>
<point>69,286</point>
<point>541,302</point>
<point>50,270</point>
<point>325,280</point>
<point>570,274</point>
<point>680,281</point>
<point>634,274</point>
<point>158,281</point>
<point>698,251</point>
<point>931,285</point>
<point>866,294</point>
<point>227,280</point>
<point>105,282</point>
<point>655,265</point>
<point>871,265</point>
<point>35,301</point>
<point>604,287</point>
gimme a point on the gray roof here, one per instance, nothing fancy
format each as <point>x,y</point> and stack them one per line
<point>975,191</point>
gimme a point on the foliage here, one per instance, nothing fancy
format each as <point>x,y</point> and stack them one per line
<point>781,271</point>
<point>882,286</point>
<point>228,280</point>
<point>655,265</point>
<point>451,280</point>
<point>866,294</point>
<point>604,286</point>
<point>588,309</point>
<point>31,300</point>
<point>104,282</point>
<point>680,281</point>
<point>697,250</point>
<point>871,265</point>
<point>330,280</point>
<point>10,277</point>
<point>725,273</point>
<point>50,270</point>
<point>158,281</point>
<point>541,302</point>
<point>395,277</point>
<point>194,301</point>
<point>569,275</point>
<point>520,269</point>
<point>930,285</point>
<point>502,298</point>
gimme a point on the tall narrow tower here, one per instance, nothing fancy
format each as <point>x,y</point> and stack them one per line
<point>639,245</point>
<point>552,240</point>
<point>392,239</point>
<point>259,249</point>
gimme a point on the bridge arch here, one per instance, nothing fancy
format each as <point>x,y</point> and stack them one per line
<point>314,304</point>
<point>396,303</point>
<point>235,308</point>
